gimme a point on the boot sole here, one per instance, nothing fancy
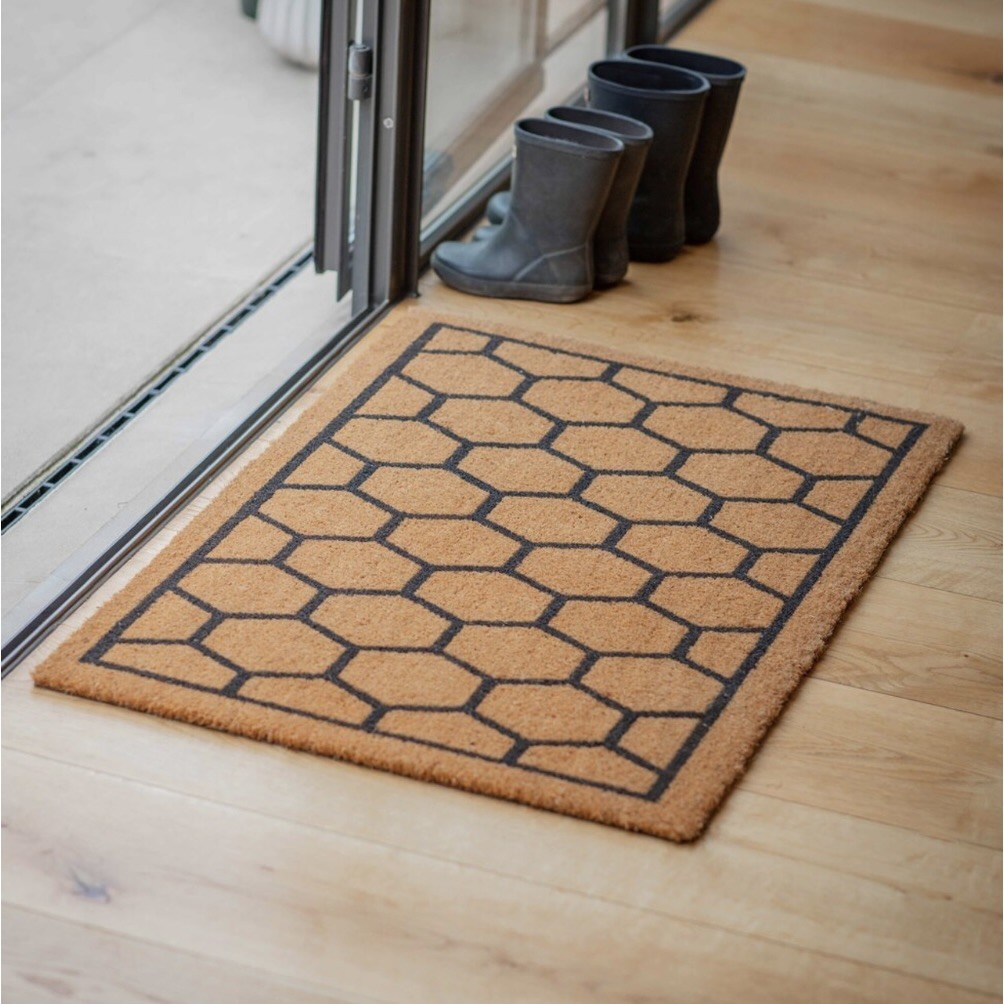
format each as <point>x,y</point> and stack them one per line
<point>507,290</point>
<point>654,252</point>
<point>607,281</point>
<point>600,282</point>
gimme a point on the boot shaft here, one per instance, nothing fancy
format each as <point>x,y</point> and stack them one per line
<point>637,139</point>
<point>561,178</point>
<point>671,102</point>
<point>610,243</point>
<point>725,78</point>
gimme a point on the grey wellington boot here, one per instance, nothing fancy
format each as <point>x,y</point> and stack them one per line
<point>610,245</point>
<point>671,101</point>
<point>544,249</point>
<point>701,203</point>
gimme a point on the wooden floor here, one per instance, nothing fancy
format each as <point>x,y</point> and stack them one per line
<point>858,860</point>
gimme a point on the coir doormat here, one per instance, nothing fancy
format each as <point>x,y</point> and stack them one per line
<point>520,566</point>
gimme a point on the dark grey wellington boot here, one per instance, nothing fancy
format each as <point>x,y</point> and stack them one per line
<point>544,250</point>
<point>669,100</point>
<point>701,203</point>
<point>610,245</point>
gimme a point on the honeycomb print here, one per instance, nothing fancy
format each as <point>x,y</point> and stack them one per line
<point>533,557</point>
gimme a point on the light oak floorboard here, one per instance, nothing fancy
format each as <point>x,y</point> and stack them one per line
<point>919,643</point>
<point>899,112</point>
<point>51,961</point>
<point>953,543</point>
<point>926,768</point>
<point>962,15</point>
<point>323,908</point>
<point>897,47</point>
<point>772,886</point>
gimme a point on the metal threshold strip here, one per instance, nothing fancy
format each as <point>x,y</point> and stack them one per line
<point>40,487</point>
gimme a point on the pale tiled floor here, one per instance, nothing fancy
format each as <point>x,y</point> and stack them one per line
<point>61,537</point>
<point>158,162</point>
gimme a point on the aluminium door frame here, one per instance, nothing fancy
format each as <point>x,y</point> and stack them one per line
<point>378,49</point>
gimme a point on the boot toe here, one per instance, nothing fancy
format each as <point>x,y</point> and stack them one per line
<point>454,255</point>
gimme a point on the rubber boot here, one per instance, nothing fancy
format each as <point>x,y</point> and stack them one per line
<point>495,212</point>
<point>610,246</point>
<point>670,101</point>
<point>544,250</point>
<point>701,203</point>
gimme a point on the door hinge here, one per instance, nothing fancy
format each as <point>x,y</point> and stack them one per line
<point>360,80</point>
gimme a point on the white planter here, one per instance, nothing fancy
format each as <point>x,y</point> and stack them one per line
<point>293,29</point>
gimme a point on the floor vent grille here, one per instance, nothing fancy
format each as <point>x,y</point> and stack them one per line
<point>37,491</point>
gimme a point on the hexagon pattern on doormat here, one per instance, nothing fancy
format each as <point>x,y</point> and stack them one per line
<point>535,557</point>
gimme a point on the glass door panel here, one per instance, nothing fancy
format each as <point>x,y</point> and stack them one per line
<point>489,65</point>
